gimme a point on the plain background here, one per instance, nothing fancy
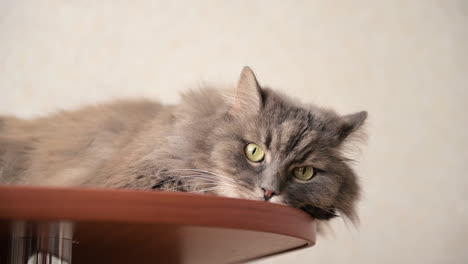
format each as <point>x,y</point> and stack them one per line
<point>406,62</point>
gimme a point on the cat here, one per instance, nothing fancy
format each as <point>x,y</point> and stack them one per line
<point>249,142</point>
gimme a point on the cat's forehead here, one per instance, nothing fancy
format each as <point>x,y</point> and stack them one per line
<point>287,126</point>
<point>291,120</point>
<point>295,137</point>
<point>279,108</point>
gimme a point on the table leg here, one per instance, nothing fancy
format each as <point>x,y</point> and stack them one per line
<point>45,243</point>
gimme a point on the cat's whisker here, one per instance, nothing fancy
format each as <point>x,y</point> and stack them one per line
<point>211,178</point>
<point>215,174</point>
<point>221,190</point>
<point>178,178</point>
<point>205,173</point>
<point>198,191</point>
<point>185,185</point>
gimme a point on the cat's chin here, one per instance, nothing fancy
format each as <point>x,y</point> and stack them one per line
<point>319,213</point>
<point>277,199</point>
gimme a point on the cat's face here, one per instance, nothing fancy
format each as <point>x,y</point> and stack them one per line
<point>278,151</point>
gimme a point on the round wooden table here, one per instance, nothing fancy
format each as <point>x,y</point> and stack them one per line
<point>131,226</point>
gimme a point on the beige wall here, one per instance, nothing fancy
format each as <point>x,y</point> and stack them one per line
<point>406,62</point>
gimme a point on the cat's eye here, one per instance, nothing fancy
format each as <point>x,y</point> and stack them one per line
<point>304,173</point>
<point>254,152</point>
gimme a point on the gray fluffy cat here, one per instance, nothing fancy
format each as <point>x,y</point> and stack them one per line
<point>247,143</point>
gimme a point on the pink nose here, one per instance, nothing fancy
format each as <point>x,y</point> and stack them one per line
<point>267,194</point>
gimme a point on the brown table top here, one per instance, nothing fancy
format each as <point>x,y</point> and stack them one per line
<point>131,226</point>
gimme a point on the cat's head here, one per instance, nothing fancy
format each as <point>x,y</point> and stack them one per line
<point>275,149</point>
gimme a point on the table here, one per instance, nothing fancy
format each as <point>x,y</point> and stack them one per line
<point>132,226</point>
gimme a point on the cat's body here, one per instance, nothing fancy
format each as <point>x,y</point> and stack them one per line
<point>198,145</point>
<point>70,148</point>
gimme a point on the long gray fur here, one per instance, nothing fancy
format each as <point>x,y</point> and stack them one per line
<point>195,146</point>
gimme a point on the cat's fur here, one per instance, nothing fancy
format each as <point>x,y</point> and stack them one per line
<point>196,146</point>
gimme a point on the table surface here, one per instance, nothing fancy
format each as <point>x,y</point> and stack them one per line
<point>131,226</point>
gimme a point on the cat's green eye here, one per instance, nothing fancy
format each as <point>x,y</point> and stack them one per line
<point>254,152</point>
<point>304,173</point>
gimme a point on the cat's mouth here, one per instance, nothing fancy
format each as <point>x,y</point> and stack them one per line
<point>315,212</point>
<point>275,199</point>
<point>319,213</point>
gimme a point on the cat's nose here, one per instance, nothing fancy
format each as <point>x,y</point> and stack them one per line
<point>267,194</point>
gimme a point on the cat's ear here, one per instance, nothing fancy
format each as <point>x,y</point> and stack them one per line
<point>352,123</point>
<point>248,98</point>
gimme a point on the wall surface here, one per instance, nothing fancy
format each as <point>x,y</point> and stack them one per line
<point>406,62</point>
